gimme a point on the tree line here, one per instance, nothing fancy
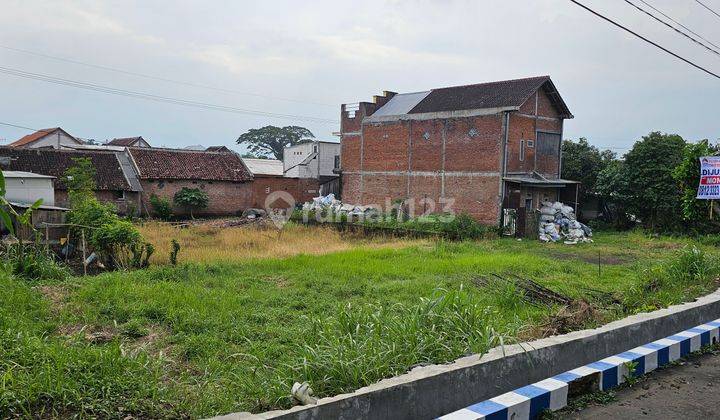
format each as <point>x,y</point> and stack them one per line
<point>653,185</point>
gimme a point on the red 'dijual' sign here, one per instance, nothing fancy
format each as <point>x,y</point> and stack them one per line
<point>709,188</point>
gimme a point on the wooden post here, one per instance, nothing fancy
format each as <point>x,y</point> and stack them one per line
<point>47,237</point>
<point>67,254</point>
<point>711,209</point>
<point>82,232</point>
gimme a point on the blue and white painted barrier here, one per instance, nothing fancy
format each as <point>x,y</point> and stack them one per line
<point>552,393</point>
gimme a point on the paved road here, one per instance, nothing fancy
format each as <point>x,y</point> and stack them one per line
<point>688,391</point>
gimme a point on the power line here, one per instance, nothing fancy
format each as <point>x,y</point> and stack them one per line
<point>157,98</point>
<point>708,7</point>
<point>19,126</point>
<point>673,28</point>
<point>680,24</point>
<point>162,79</point>
<point>645,39</point>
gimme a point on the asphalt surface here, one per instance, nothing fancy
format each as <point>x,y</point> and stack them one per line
<point>688,391</point>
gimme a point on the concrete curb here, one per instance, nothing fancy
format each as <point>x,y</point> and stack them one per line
<point>432,391</point>
<point>552,393</point>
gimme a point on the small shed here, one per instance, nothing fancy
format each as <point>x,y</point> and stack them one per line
<point>28,187</point>
<point>25,188</point>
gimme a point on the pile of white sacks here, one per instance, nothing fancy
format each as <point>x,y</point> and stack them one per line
<point>329,202</point>
<point>558,222</point>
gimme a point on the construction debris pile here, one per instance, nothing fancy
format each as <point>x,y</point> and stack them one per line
<point>329,202</point>
<point>558,222</point>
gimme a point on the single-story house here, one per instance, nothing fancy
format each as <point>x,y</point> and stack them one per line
<point>115,177</point>
<point>55,138</point>
<point>223,176</point>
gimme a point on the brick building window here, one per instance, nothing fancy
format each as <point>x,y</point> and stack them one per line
<point>426,135</point>
<point>530,144</point>
<point>337,161</point>
<point>522,150</point>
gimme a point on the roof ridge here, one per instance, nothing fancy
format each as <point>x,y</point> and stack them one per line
<point>547,77</point>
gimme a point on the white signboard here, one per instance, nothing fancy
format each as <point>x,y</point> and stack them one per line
<point>709,188</point>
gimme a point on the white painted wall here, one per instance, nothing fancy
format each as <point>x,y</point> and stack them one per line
<point>322,165</point>
<point>28,190</point>
<point>52,139</point>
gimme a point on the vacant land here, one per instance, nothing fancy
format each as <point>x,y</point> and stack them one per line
<point>208,243</point>
<point>206,338</point>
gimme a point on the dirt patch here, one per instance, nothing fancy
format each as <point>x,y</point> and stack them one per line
<point>56,295</point>
<point>91,333</point>
<point>153,343</point>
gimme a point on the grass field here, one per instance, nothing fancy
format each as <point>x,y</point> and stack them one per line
<point>233,334</point>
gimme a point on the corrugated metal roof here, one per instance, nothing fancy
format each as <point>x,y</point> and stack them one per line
<point>265,166</point>
<point>401,104</point>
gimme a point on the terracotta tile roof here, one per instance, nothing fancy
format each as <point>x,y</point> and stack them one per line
<point>218,149</point>
<point>124,141</point>
<point>157,163</point>
<point>35,136</point>
<point>108,176</point>
<point>502,94</point>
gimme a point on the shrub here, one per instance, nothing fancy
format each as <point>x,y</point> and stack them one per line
<point>191,199</point>
<point>174,252</point>
<point>161,207</point>
<point>116,239</point>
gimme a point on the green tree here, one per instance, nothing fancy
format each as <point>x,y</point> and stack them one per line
<point>652,193</point>
<point>253,156</point>
<point>696,213</point>
<point>583,162</point>
<point>80,180</point>
<point>191,199</point>
<point>271,140</point>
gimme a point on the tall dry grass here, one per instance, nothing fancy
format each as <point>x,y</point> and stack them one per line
<point>209,243</point>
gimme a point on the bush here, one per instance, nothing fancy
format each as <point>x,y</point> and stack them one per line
<point>116,239</point>
<point>161,207</point>
<point>191,199</point>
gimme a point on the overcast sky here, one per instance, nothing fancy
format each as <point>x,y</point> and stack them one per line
<point>306,58</point>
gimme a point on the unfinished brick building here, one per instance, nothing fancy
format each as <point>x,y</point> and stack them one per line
<point>476,148</point>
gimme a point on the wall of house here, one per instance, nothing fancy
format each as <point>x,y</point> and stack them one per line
<point>52,141</point>
<point>536,114</point>
<point>124,201</point>
<point>293,156</point>
<point>29,190</point>
<point>327,153</point>
<point>226,198</point>
<point>440,164</point>
<point>301,189</point>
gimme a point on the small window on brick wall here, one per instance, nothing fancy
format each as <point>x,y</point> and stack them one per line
<point>522,150</point>
<point>531,143</point>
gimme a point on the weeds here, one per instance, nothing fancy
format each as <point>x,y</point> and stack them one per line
<point>361,345</point>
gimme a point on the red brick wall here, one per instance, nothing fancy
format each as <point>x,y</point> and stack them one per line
<point>524,126</point>
<point>225,197</point>
<point>130,203</point>
<point>301,189</point>
<point>404,159</point>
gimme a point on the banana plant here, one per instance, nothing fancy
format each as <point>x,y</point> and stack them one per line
<point>7,210</point>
